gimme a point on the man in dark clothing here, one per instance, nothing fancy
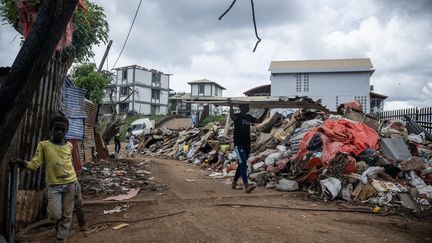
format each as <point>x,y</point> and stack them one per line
<point>242,144</point>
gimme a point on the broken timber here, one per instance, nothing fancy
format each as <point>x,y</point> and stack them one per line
<point>263,102</point>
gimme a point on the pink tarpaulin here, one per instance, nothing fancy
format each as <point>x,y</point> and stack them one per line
<point>132,193</point>
<point>340,136</point>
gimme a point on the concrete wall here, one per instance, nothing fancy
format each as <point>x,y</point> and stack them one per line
<point>165,81</point>
<point>143,77</point>
<point>163,97</point>
<point>144,94</point>
<point>332,88</point>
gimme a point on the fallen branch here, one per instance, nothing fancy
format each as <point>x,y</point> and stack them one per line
<point>139,220</point>
<point>351,210</point>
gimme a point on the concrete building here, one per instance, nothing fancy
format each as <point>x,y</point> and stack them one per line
<point>151,96</point>
<point>205,88</point>
<point>333,81</point>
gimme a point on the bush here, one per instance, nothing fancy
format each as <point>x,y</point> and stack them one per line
<point>220,119</point>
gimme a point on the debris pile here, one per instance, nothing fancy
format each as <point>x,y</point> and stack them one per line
<point>350,156</point>
<point>120,177</point>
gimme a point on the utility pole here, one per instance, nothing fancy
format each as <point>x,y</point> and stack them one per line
<point>104,56</point>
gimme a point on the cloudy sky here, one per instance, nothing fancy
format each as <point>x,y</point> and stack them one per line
<point>185,38</point>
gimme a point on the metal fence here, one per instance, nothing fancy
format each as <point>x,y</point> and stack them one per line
<point>423,116</point>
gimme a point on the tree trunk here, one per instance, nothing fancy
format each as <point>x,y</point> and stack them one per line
<point>30,64</point>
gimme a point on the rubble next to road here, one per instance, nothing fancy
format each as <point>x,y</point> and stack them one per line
<point>350,156</point>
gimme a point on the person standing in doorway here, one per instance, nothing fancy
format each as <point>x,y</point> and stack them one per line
<point>242,144</point>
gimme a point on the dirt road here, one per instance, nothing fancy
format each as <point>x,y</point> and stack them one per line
<point>193,195</point>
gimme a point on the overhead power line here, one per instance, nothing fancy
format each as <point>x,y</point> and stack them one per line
<point>127,37</point>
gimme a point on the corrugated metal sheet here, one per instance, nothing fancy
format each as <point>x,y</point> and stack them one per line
<point>74,102</point>
<point>88,155</point>
<point>91,113</point>
<point>34,127</point>
<point>76,129</point>
<point>81,151</point>
<point>90,124</point>
<point>89,141</point>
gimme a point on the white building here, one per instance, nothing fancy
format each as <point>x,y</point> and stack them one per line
<point>333,81</point>
<point>205,88</point>
<point>151,86</point>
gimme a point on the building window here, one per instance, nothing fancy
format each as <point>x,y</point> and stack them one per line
<point>124,91</point>
<point>200,88</point>
<point>216,91</point>
<point>337,102</point>
<point>155,94</point>
<point>298,82</point>
<point>156,77</point>
<point>363,101</point>
<point>124,74</point>
<point>306,82</point>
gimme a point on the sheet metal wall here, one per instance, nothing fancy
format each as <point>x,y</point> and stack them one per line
<point>89,129</point>
<point>34,127</point>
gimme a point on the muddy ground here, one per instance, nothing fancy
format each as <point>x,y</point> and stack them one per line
<point>185,211</point>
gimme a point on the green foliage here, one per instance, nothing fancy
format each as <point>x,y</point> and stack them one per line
<point>220,119</point>
<point>91,27</point>
<point>86,76</point>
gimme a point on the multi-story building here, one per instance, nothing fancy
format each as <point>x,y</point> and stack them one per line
<point>138,89</point>
<point>205,88</point>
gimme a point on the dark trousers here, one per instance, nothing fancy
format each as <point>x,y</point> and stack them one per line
<point>242,157</point>
<point>117,144</point>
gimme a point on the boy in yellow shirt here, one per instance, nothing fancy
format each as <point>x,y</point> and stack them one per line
<point>56,155</point>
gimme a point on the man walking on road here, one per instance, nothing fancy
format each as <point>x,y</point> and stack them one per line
<point>242,144</point>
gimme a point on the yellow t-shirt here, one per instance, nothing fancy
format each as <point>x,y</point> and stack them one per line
<point>57,160</point>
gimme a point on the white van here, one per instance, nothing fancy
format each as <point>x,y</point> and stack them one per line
<point>141,126</point>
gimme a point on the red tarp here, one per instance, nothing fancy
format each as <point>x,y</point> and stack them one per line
<point>340,136</point>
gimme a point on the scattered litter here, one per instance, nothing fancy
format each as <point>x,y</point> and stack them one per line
<point>132,193</point>
<point>120,226</point>
<point>350,156</point>
<point>190,180</point>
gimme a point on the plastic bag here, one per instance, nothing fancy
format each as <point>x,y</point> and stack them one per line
<point>287,185</point>
<point>331,187</point>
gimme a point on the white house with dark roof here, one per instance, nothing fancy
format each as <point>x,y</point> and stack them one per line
<point>334,81</point>
<point>205,88</point>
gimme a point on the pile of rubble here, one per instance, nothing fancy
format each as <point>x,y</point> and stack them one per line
<point>119,177</point>
<point>349,156</point>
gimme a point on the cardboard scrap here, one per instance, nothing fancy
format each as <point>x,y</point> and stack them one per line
<point>132,193</point>
<point>120,226</point>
